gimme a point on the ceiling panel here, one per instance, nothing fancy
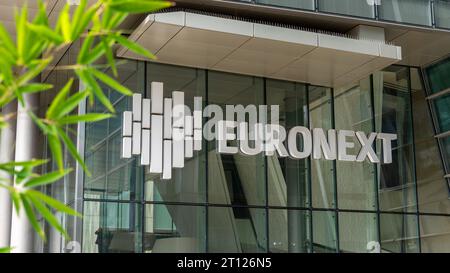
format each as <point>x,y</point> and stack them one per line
<point>224,44</point>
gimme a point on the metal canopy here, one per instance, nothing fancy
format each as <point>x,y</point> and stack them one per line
<point>232,45</point>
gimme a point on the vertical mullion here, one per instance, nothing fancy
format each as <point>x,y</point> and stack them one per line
<point>142,201</point>
<point>206,145</point>
<point>266,181</point>
<point>336,203</point>
<point>375,165</point>
<point>311,245</point>
<point>414,159</point>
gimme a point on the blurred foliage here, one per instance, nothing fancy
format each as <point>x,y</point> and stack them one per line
<point>23,59</point>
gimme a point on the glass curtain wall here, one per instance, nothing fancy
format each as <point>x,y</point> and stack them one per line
<point>428,13</point>
<point>236,203</point>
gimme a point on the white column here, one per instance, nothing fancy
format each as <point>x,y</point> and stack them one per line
<point>7,142</point>
<point>22,233</point>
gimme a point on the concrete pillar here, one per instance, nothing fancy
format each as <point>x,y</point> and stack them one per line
<point>7,143</point>
<point>22,233</point>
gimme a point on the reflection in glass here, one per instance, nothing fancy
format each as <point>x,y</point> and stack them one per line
<point>431,185</point>
<point>324,232</point>
<point>174,229</point>
<point>393,115</point>
<point>189,183</point>
<point>287,177</point>
<point>406,11</point>
<point>236,230</point>
<point>235,179</point>
<point>111,227</point>
<point>355,180</point>
<point>438,78</point>
<point>442,13</point>
<point>435,234</point>
<point>289,231</point>
<point>322,171</point>
<point>348,7</point>
<point>399,233</point>
<point>442,109</point>
<point>358,232</point>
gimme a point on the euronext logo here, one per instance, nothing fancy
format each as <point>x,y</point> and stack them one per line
<point>164,132</point>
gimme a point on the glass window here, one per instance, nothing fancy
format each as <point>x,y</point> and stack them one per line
<point>393,115</point>
<point>299,4</point>
<point>438,76</point>
<point>322,171</point>
<point>189,183</point>
<point>435,234</point>
<point>442,109</point>
<point>356,181</point>
<point>115,123</point>
<point>431,185</point>
<point>236,230</point>
<point>442,13</point>
<point>289,231</point>
<point>174,229</point>
<point>348,7</point>
<point>288,178</point>
<point>406,11</point>
<point>112,177</point>
<point>446,151</point>
<point>324,232</point>
<point>358,232</point>
<point>235,179</point>
<point>399,233</point>
<point>110,227</point>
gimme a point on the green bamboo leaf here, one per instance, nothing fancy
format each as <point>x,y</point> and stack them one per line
<point>106,16</point>
<point>47,33</point>
<point>34,87</point>
<point>139,6</point>
<point>110,57</point>
<point>16,201</point>
<point>6,41</point>
<point>87,78</point>
<point>73,150</point>
<point>31,163</point>
<point>70,104</point>
<point>34,70</point>
<point>7,56</point>
<point>111,82</point>
<point>48,215</point>
<point>7,72</point>
<point>78,15</point>
<point>97,52</point>
<point>53,203</point>
<point>65,25</point>
<point>58,100</point>
<point>133,46</point>
<point>82,22</point>
<point>21,33</point>
<point>36,50</point>
<point>31,216</point>
<point>85,49</point>
<point>6,249</point>
<point>56,149</point>
<point>38,122</point>
<point>91,117</point>
<point>41,17</point>
<point>46,178</point>
<point>117,18</point>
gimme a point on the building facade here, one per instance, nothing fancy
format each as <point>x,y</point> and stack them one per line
<point>368,66</point>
